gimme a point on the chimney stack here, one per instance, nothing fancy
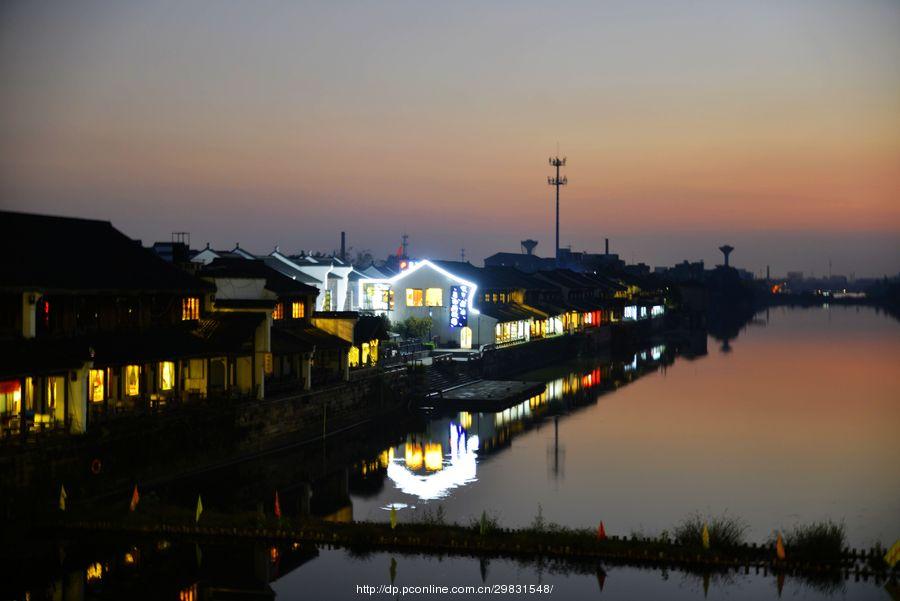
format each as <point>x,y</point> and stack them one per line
<point>607,245</point>
<point>343,246</point>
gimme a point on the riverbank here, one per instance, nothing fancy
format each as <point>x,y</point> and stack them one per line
<point>482,538</point>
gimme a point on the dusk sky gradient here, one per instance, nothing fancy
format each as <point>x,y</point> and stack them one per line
<point>773,125</point>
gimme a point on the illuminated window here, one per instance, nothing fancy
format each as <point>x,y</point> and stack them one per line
<point>434,297</point>
<point>52,391</point>
<point>494,297</point>
<point>10,397</point>
<point>196,369</point>
<point>298,310</point>
<point>414,297</point>
<point>95,384</point>
<point>132,380</point>
<point>278,313</point>
<point>487,297</point>
<point>353,356</point>
<point>502,297</point>
<point>327,304</point>
<point>166,375</point>
<point>369,352</point>
<point>190,308</point>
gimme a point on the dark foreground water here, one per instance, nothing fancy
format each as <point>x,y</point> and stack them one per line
<point>794,420</point>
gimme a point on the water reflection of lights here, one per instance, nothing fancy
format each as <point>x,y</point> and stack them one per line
<point>189,593</point>
<point>94,572</point>
<point>431,455</point>
<point>459,469</point>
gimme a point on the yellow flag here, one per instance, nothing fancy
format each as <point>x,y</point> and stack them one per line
<point>199,510</point>
<point>779,547</point>
<point>393,517</point>
<point>62,497</point>
<point>893,554</point>
<point>705,536</point>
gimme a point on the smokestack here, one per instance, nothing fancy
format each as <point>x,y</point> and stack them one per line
<point>343,246</point>
<point>607,245</point>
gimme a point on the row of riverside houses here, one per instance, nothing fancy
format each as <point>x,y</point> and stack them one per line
<point>479,307</point>
<point>94,326</point>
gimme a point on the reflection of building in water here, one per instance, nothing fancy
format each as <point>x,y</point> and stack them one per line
<point>442,471</point>
<point>160,570</point>
<point>430,464</point>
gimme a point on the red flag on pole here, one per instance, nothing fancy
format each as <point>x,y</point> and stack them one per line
<point>277,506</point>
<point>601,532</point>
<point>135,498</point>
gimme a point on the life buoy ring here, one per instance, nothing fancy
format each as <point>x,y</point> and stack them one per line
<point>96,466</point>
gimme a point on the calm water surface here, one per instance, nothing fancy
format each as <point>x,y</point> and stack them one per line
<point>795,420</point>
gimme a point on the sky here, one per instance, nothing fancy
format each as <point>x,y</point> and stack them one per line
<point>772,125</point>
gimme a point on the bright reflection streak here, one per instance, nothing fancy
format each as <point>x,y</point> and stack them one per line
<point>458,470</point>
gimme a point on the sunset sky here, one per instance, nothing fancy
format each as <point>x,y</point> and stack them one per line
<point>773,125</point>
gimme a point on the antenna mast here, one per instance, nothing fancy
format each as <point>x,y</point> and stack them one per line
<point>556,182</point>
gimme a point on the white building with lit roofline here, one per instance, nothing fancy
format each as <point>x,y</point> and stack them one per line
<point>428,290</point>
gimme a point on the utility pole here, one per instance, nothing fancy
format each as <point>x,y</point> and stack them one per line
<point>462,255</point>
<point>404,243</point>
<point>556,182</point>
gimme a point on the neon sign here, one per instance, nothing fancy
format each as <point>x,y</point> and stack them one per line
<point>459,306</point>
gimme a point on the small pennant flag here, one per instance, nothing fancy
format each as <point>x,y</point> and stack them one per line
<point>779,547</point>
<point>705,537</point>
<point>135,498</point>
<point>393,517</point>
<point>893,554</point>
<point>601,578</point>
<point>199,510</point>
<point>277,506</point>
<point>62,497</point>
<point>601,532</point>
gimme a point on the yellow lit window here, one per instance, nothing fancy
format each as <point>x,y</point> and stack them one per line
<point>278,313</point>
<point>196,369</point>
<point>53,385</point>
<point>166,375</point>
<point>96,385</point>
<point>434,297</point>
<point>132,380</point>
<point>10,397</point>
<point>297,310</point>
<point>190,308</point>
<point>370,352</point>
<point>414,297</point>
<point>353,356</point>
